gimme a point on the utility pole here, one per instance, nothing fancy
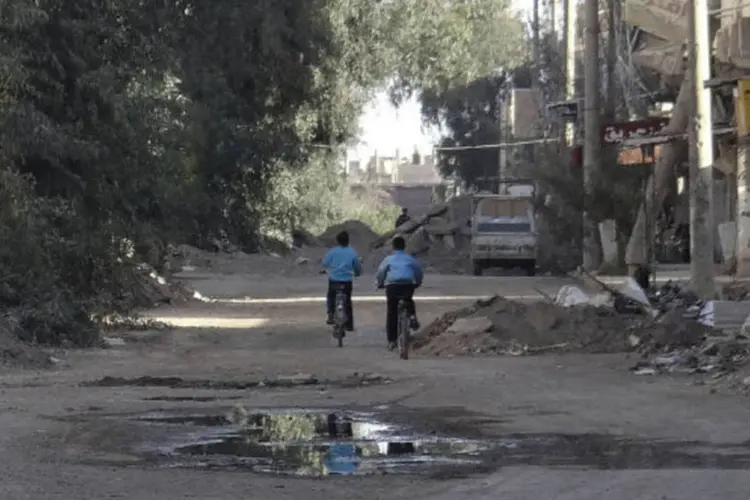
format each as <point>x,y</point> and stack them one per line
<point>611,105</point>
<point>591,134</point>
<point>742,118</point>
<point>569,39</point>
<point>553,21</point>
<point>537,41</point>
<point>700,139</point>
<point>502,119</point>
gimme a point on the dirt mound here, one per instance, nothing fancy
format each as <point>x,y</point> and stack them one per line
<point>444,260</point>
<point>17,354</point>
<point>502,326</point>
<point>736,290</point>
<point>360,234</point>
<point>433,253</point>
<point>149,289</point>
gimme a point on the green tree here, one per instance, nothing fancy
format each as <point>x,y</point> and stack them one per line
<point>131,123</point>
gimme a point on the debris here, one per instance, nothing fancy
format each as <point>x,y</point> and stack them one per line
<point>571,295</point>
<point>517,328</point>
<point>675,335</point>
<point>710,356</point>
<point>645,371</point>
<point>545,295</point>
<point>409,226</point>
<point>150,289</point>
<point>631,294</point>
<point>632,290</point>
<point>470,326</point>
<point>692,337</point>
<point>736,290</point>
<point>113,342</point>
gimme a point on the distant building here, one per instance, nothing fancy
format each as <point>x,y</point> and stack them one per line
<point>411,185</point>
<point>387,170</point>
<point>353,167</point>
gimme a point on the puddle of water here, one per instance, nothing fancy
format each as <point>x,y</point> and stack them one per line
<point>197,399</point>
<point>324,443</point>
<point>353,380</point>
<point>308,443</point>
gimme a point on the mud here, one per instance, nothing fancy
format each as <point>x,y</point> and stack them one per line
<point>354,380</point>
<point>196,399</point>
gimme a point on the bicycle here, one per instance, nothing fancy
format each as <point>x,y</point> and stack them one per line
<point>403,324</point>
<point>404,329</point>
<point>339,315</point>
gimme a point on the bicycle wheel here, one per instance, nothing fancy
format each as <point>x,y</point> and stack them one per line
<point>339,324</point>
<point>403,330</point>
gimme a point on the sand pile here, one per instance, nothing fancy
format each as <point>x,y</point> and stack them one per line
<point>501,326</point>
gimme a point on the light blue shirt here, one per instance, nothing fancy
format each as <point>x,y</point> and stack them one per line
<point>342,264</point>
<point>341,458</point>
<point>400,268</point>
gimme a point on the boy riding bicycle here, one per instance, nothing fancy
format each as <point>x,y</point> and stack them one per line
<point>400,274</point>
<point>342,265</point>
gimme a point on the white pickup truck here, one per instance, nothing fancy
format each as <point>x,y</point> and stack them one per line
<point>503,232</point>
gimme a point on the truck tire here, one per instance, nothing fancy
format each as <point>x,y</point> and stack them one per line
<point>530,268</point>
<point>477,271</point>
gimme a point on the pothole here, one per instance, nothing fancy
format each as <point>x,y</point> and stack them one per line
<point>195,399</point>
<point>318,443</point>
<point>307,443</point>
<point>300,380</point>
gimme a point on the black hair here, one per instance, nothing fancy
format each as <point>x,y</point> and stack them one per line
<point>343,238</point>
<point>399,243</point>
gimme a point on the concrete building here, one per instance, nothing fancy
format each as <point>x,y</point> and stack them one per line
<point>409,184</point>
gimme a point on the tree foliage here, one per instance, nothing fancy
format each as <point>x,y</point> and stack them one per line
<point>199,122</point>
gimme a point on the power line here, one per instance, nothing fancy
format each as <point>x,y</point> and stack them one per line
<point>501,145</point>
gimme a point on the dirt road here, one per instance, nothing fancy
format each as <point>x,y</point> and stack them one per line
<point>569,428</point>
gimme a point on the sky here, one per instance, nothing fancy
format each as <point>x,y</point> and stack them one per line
<point>386,129</point>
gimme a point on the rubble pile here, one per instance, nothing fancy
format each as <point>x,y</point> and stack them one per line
<point>706,354</point>
<point>736,290</point>
<point>433,239</point>
<point>150,289</point>
<point>501,326</point>
<point>435,256</point>
<point>694,337</point>
<point>668,328</point>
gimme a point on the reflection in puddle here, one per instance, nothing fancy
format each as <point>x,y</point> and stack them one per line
<point>312,444</point>
<point>322,443</point>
